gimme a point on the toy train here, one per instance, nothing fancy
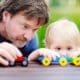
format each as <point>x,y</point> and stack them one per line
<point>62,60</point>
<point>23,61</point>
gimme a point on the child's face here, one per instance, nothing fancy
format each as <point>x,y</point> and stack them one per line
<point>63,48</point>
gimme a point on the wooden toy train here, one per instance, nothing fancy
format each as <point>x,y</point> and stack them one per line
<point>62,60</point>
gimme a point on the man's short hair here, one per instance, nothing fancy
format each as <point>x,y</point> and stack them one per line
<point>30,8</point>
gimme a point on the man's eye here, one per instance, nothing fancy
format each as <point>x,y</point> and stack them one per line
<point>69,48</point>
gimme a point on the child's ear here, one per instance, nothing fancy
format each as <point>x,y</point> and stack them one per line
<point>48,44</point>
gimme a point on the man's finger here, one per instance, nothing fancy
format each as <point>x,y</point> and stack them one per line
<point>5,54</point>
<point>11,49</point>
<point>4,62</point>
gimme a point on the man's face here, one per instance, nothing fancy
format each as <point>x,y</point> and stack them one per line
<point>19,29</point>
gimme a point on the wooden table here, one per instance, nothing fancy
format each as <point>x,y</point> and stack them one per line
<point>36,71</point>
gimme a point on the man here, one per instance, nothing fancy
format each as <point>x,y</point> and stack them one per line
<point>19,20</point>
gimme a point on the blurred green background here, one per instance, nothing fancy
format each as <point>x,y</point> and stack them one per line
<point>59,9</point>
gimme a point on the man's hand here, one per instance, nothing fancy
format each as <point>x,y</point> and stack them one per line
<point>8,52</point>
<point>42,51</point>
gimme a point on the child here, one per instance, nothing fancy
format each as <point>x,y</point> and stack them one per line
<point>62,38</point>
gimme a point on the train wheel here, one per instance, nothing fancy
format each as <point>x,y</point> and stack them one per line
<point>24,62</point>
<point>12,64</point>
<point>46,61</point>
<point>63,62</point>
<point>76,61</point>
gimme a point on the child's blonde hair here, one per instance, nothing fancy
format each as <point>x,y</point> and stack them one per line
<point>65,30</point>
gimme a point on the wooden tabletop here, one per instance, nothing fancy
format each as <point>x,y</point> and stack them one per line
<point>35,71</point>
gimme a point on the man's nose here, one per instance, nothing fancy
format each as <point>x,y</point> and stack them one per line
<point>29,35</point>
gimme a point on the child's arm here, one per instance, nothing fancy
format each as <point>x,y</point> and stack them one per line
<point>42,51</point>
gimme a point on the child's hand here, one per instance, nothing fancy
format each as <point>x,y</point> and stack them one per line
<point>42,51</point>
<point>75,53</point>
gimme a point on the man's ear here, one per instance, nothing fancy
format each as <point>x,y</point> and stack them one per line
<point>6,16</point>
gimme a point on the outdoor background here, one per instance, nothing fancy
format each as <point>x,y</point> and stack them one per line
<point>59,9</point>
